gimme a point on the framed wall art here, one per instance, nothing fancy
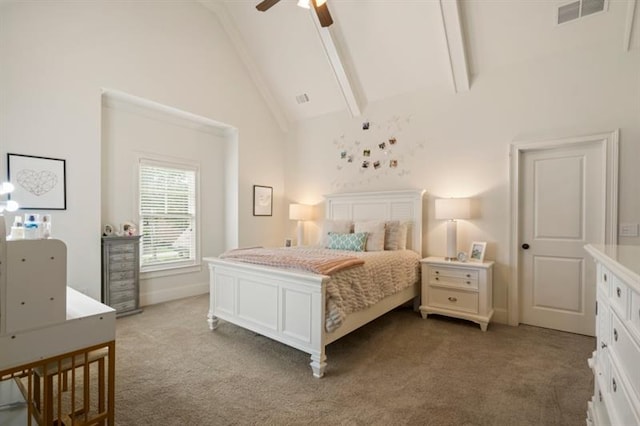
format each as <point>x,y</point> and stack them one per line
<point>262,200</point>
<point>40,182</point>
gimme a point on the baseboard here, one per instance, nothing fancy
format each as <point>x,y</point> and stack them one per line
<point>500,316</point>
<point>161,296</point>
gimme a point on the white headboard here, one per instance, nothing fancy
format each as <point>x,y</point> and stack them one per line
<point>403,205</point>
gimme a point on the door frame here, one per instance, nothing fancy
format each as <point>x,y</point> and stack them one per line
<point>609,145</point>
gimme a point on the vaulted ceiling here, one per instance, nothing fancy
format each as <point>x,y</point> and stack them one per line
<point>376,49</point>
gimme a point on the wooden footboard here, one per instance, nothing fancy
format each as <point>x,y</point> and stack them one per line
<point>283,305</point>
<point>288,307</point>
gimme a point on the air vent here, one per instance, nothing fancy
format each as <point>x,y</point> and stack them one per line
<point>578,9</point>
<point>302,99</point>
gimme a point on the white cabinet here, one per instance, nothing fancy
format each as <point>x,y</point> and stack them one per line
<point>457,289</point>
<point>616,360</point>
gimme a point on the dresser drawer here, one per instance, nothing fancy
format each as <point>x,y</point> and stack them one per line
<point>122,248</point>
<point>122,275</point>
<point>121,296</point>
<point>627,353</point>
<point>619,296</point>
<point>453,277</point>
<point>122,257</point>
<point>622,411</point>
<point>604,277</point>
<point>124,306</point>
<point>634,324</point>
<point>122,266</point>
<point>453,299</point>
<point>122,285</point>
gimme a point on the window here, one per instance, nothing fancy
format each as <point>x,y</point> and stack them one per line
<point>167,201</point>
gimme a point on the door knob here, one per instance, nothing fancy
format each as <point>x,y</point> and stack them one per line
<point>525,246</point>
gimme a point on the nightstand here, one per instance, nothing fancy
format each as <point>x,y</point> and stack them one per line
<point>457,289</point>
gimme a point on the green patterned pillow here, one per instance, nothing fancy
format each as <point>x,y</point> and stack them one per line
<point>351,242</point>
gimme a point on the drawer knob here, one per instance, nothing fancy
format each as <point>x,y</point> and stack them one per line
<point>437,272</point>
<point>614,385</point>
<point>615,334</point>
<point>605,277</point>
<point>603,345</point>
<point>437,278</point>
<point>468,282</point>
<point>600,395</point>
<point>618,291</point>
<point>452,299</point>
<point>468,275</point>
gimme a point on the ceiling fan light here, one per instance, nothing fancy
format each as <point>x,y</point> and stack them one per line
<point>304,4</point>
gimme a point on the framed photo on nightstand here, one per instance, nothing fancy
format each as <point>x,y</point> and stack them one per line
<point>476,252</point>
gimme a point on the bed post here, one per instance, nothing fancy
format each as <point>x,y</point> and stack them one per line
<point>211,318</point>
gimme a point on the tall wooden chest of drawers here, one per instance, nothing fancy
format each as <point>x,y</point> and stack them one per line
<point>121,274</point>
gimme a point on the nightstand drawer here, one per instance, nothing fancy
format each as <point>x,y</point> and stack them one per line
<point>453,299</point>
<point>462,279</point>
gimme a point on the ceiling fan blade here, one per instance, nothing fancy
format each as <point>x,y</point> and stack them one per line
<point>266,4</point>
<point>323,13</point>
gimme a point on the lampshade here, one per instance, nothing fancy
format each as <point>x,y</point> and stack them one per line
<point>299,212</point>
<point>453,208</point>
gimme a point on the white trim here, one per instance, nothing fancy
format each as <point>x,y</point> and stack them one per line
<point>126,102</point>
<point>160,296</point>
<point>609,143</point>
<point>454,40</point>
<point>628,26</point>
<point>170,271</point>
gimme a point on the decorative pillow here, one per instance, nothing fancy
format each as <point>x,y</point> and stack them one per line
<point>395,237</point>
<point>336,227</point>
<point>351,242</point>
<point>375,234</point>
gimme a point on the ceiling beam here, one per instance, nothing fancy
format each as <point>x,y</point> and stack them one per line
<point>337,61</point>
<point>628,28</point>
<point>454,39</point>
<point>241,49</point>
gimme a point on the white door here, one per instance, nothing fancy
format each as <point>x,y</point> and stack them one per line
<point>563,207</point>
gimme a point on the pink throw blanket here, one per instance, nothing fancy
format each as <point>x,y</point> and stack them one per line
<point>325,262</point>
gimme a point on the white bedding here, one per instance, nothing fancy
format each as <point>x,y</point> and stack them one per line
<point>384,273</point>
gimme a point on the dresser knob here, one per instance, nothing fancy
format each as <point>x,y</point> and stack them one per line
<point>618,291</point>
<point>452,299</point>
<point>600,396</point>
<point>437,272</point>
<point>615,334</point>
<point>437,278</point>
<point>468,282</point>
<point>605,277</point>
<point>468,275</point>
<point>603,345</point>
<point>614,385</point>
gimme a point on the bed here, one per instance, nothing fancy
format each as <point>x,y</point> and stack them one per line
<point>289,305</point>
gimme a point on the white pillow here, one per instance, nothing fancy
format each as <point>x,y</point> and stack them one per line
<point>395,235</point>
<point>375,234</point>
<point>336,227</point>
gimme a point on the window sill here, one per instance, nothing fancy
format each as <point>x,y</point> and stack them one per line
<point>170,270</point>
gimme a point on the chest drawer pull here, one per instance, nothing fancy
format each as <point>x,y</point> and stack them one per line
<point>437,272</point>
<point>618,291</point>
<point>468,275</point>
<point>614,385</point>
<point>600,395</point>
<point>468,282</point>
<point>605,278</point>
<point>437,278</point>
<point>603,345</point>
<point>615,334</point>
<point>452,299</point>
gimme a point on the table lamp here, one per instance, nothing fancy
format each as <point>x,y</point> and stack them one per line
<point>300,212</point>
<point>451,209</point>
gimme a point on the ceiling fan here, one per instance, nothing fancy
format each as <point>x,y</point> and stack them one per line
<point>319,5</point>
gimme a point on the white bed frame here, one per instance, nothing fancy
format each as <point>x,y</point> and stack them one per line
<point>289,306</point>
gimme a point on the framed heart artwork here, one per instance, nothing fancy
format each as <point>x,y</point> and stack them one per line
<point>40,182</point>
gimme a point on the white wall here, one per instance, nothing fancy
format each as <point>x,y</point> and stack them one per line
<point>55,58</point>
<point>465,141</point>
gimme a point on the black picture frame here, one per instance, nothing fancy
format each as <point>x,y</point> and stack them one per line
<point>40,182</point>
<point>262,200</point>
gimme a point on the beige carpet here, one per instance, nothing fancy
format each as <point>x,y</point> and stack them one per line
<point>399,369</point>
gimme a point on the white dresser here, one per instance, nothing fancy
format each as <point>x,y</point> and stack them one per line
<point>616,360</point>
